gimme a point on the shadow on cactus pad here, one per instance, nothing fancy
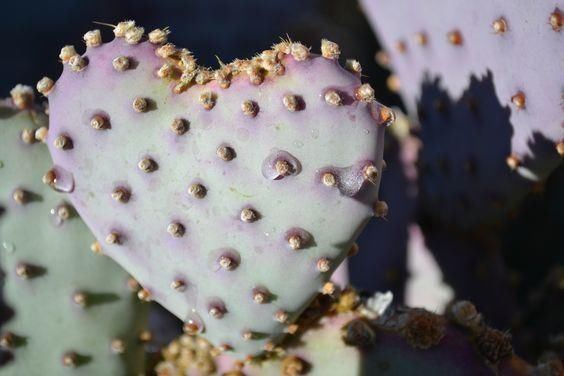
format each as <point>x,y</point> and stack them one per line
<point>466,177</point>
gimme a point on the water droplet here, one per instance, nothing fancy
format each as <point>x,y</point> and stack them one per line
<point>55,219</point>
<point>8,247</point>
<point>279,164</point>
<point>314,133</point>
<point>366,131</point>
<point>1,164</point>
<point>59,214</point>
<point>298,144</point>
<point>193,324</point>
<point>64,180</point>
<point>349,179</point>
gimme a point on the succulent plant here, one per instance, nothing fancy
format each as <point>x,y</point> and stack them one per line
<point>230,195</point>
<point>487,90</point>
<point>222,205</point>
<point>352,339</point>
<point>65,307</point>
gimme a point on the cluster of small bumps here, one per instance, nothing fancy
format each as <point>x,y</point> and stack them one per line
<point>401,341</point>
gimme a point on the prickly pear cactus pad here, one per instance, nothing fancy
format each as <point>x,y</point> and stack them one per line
<point>518,43</point>
<point>71,311</point>
<point>231,195</point>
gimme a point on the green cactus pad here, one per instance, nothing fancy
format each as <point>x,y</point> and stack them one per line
<point>70,310</point>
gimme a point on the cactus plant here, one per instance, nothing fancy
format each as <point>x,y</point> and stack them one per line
<point>68,308</point>
<point>482,102</point>
<point>233,196</point>
<point>222,192</point>
<point>348,341</point>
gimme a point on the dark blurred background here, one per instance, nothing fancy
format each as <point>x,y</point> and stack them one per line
<point>34,31</point>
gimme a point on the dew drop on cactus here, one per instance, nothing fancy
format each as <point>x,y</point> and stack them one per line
<point>60,214</point>
<point>280,164</point>
<point>8,246</point>
<point>193,323</point>
<point>60,179</point>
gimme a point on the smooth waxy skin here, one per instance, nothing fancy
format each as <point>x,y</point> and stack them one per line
<point>224,150</point>
<point>47,322</point>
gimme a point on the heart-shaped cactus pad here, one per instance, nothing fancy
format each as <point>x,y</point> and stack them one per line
<point>230,195</point>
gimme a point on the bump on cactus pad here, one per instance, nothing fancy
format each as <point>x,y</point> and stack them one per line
<point>223,192</point>
<point>68,308</point>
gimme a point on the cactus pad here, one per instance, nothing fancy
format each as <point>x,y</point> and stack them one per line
<point>518,45</point>
<point>69,308</point>
<point>223,192</point>
<point>485,79</point>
